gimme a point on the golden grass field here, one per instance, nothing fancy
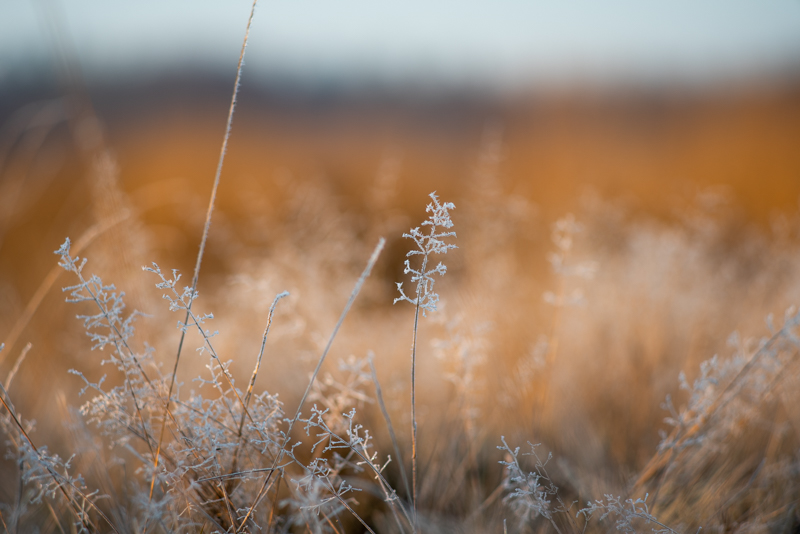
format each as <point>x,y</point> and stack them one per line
<point>685,209</point>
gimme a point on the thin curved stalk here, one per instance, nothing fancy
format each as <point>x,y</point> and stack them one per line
<point>204,240</point>
<point>356,289</point>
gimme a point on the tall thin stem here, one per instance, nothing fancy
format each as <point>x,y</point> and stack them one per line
<point>414,415</point>
<point>252,383</point>
<point>414,392</point>
<point>287,435</point>
<point>426,298</point>
<point>382,404</point>
<point>206,227</point>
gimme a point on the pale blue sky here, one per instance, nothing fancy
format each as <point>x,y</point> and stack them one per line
<point>493,42</point>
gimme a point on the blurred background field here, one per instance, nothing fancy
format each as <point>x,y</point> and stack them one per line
<point>677,153</point>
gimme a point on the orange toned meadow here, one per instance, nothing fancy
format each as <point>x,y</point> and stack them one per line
<point>680,211</point>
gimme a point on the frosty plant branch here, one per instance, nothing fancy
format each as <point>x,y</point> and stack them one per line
<point>59,480</point>
<point>426,298</point>
<point>427,244</point>
<point>110,305</point>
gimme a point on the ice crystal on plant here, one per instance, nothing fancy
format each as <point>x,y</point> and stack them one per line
<point>625,513</point>
<point>530,494</point>
<point>427,244</point>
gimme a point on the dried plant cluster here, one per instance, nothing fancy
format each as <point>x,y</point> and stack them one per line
<point>227,451</point>
<point>225,458</point>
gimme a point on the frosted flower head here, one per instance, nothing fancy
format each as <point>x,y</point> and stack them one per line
<point>432,242</point>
